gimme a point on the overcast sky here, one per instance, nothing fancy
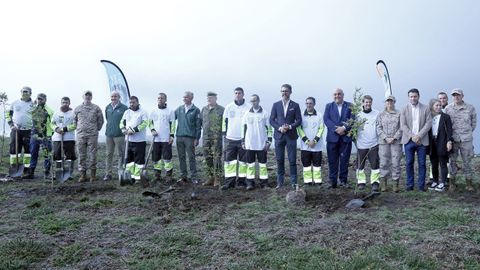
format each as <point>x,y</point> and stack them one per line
<point>55,47</point>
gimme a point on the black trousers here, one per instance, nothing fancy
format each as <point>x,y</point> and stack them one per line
<point>234,152</point>
<point>136,152</point>
<point>370,154</point>
<point>310,158</point>
<point>68,150</point>
<point>260,156</point>
<point>161,150</point>
<point>437,160</point>
<point>23,141</point>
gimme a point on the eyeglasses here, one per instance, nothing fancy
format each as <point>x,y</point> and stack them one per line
<point>40,99</point>
<point>309,103</point>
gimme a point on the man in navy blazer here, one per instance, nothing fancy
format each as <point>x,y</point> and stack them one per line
<point>339,145</point>
<point>285,118</point>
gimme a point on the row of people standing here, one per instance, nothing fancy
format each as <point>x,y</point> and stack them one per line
<point>439,129</point>
<point>245,131</point>
<point>34,126</point>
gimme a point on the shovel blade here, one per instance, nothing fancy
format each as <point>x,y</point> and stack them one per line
<point>59,171</point>
<point>16,171</point>
<point>67,171</point>
<point>124,177</point>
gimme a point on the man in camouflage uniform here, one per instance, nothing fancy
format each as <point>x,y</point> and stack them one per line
<point>41,135</point>
<point>464,121</point>
<point>212,115</point>
<point>390,147</point>
<point>19,119</point>
<point>88,120</point>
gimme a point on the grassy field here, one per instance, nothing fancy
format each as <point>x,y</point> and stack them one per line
<point>104,226</point>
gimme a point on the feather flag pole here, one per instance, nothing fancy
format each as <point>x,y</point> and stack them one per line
<point>117,80</point>
<point>385,76</point>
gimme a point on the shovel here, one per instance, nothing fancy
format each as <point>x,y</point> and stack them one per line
<point>124,176</point>
<point>17,170</point>
<point>62,174</point>
<point>157,195</point>
<point>143,173</point>
<point>358,203</point>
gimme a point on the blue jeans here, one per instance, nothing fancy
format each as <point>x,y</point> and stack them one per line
<point>37,145</point>
<point>291,145</point>
<point>410,149</point>
<point>338,154</point>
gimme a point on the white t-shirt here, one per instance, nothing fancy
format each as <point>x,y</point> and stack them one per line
<point>136,119</point>
<point>22,113</point>
<point>435,123</point>
<point>367,136</point>
<point>257,129</point>
<point>63,119</point>
<point>162,119</point>
<point>311,125</point>
<point>234,116</point>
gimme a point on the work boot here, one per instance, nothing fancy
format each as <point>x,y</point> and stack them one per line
<point>31,173</point>
<point>383,185</point>
<point>264,183</point>
<point>83,177</point>
<point>250,184</point>
<point>216,181</point>
<point>47,173</point>
<point>93,175</point>
<point>71,170</point>
<point>228,184</point>
<point>169,176</point>
<point>396,186</point>
<point>241,183</point>
<point>209,182</point>
<point>452,185</point>
<point>158,175</point>
<point>469,184</point>
<point>25,172</point>
<point>361,186</point>
<point>375,187</point>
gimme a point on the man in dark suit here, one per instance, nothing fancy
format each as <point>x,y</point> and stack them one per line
<point>339,145</point>
<point>285,118</point>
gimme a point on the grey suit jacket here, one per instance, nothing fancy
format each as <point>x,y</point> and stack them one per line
<point>425,123</point>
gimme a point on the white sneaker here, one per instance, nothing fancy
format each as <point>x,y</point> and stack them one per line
<point>433,186</point>
<point>440,187</point>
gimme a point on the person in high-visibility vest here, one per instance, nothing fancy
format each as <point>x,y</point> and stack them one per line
<point>19,118</point>
<point>235,156</point>
<point>311,134</point>
<point>162,127</point>
<point>257,138</point>
<point>134,123</point>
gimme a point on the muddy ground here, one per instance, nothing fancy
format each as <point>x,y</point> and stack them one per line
<point>101,225</point>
